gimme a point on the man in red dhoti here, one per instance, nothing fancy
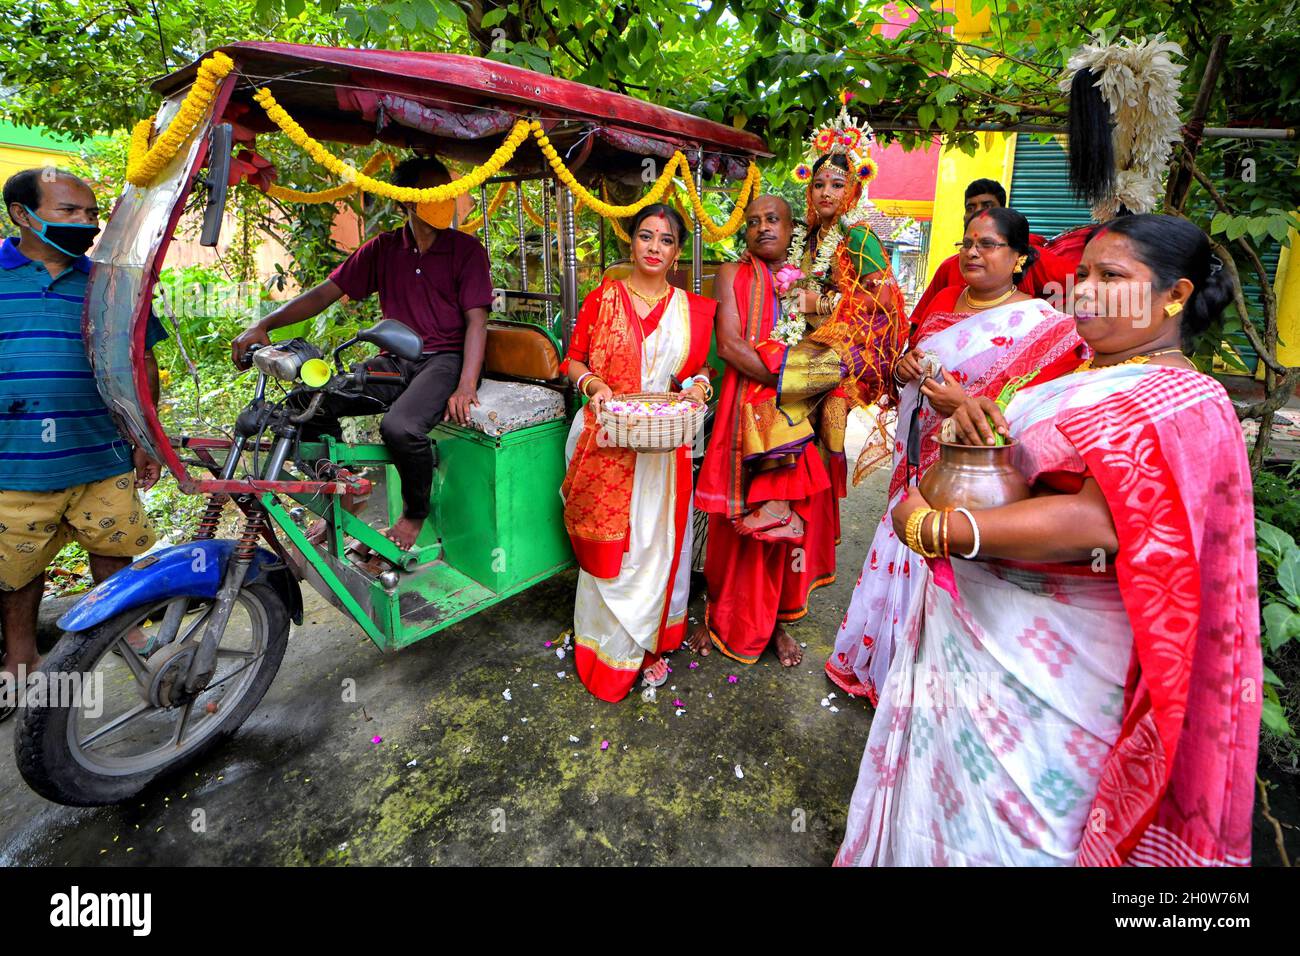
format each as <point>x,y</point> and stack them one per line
<point>754,586</point>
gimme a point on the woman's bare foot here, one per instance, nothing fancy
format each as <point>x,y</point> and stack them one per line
<point>787,648</point>
<point>657,673</point>
<point>699,641</point>
<point>404,532</point>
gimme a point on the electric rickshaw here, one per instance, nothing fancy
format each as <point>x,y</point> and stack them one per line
<point>183,644</point>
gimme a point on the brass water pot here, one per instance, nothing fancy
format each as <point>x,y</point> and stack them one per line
<point>973,476</point>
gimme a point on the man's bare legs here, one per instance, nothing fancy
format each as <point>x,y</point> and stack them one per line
<point>18,615</point>
<point>103,567</point>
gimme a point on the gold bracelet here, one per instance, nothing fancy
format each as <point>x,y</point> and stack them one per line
<point>911,533</point>
<point>943,521</point>
<point>586,389</point>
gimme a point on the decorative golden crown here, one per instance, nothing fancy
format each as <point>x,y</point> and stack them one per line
<point>843,135</point>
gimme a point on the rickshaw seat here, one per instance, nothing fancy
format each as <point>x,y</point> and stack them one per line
<point>679,277</point>
<point>506,407</point>
<point>520,351</point>
<point>529,362</point>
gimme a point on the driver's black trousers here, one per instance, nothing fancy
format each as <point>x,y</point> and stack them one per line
<point>413,402</point>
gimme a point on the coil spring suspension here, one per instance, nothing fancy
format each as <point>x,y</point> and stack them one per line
<point>211,518</point>
<point>248,541</point>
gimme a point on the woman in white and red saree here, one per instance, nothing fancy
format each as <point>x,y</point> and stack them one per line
<point>629,515</point>
<point>983,334</point>
<point>1088,692</point>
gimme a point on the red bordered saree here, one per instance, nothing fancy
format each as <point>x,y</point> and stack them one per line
<point>627,514</point>
<point>1096,718</point>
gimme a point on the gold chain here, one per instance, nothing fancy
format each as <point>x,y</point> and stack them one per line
<point>650,300</point>
<point>975,303</point>
<point>1143,359</point>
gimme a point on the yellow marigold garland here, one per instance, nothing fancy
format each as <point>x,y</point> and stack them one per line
<point>617,226</point>
<point>350,174</point>
<point>475,224</point>
<point>360,179</point>
<point>748,190</point>
<point>145,162</point>
<point>335,193</point>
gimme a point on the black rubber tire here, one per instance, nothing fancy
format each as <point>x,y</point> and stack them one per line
<point>40,743</point>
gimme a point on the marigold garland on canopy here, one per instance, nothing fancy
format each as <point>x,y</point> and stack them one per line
<point>145,162</point>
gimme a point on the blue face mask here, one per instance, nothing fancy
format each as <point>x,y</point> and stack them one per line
<point>70,238</point>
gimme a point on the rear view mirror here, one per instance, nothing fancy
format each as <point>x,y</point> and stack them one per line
<point>218,181</point>
<point>392,336</point>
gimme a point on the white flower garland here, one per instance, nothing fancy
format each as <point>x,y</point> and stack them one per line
<point>1140,83</point>
<point>790,330</point>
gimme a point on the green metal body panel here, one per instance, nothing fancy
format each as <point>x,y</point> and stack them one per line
<point>498,503</point>
<point>496,528</point>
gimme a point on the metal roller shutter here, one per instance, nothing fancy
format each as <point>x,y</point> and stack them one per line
<point>1040,188</point>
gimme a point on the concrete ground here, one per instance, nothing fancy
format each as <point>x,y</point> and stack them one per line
<point>464,776</point>
<point>755,772</point>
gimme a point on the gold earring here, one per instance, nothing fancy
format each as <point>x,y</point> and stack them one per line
<point>1173,308</point>
<point>1020,263</point>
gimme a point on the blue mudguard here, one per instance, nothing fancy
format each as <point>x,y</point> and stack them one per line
<point>195,569</point>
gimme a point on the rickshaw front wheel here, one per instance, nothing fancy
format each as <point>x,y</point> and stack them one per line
<point>110,720</point>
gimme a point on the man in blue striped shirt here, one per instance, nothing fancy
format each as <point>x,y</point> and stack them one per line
<point>66,474</point>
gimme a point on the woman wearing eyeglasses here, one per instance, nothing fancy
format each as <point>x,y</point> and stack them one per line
<point>980,336</point>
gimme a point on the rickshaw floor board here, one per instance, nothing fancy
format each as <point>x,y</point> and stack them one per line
<point>496,528</point>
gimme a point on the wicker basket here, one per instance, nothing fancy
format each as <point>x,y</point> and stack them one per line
<point>651,433</point>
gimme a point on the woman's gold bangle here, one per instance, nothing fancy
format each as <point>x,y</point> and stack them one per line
<point>586,389</point>
<point>912,532</point>
<point>932,552</point>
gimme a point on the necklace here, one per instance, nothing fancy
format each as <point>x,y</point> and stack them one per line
<point>651,300</point>
<point>1143,359</point>
<point>975,303</point>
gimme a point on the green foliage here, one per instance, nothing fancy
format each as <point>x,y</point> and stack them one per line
<point>1277,510</point>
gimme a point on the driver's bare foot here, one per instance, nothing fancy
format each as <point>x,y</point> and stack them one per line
<point>404,532</point>
<point>699,640</point>
<point>787,648</point>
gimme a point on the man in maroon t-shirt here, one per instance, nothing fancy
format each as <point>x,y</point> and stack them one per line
<point>1047,269</point>
<point>434,280</point>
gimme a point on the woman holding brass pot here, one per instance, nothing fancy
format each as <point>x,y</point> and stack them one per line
<point>1088,690</point>
<point>981,336</point>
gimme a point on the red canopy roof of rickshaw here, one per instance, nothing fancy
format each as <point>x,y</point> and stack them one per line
<point>319,85</point>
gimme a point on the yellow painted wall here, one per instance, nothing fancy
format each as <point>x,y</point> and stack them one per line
<point>1287,288</point>
<point>14,159</point>
<point>993,160</point>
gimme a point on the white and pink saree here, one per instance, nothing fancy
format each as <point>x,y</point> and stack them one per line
<point>1077,714</point>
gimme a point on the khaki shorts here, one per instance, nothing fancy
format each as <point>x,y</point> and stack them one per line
<point>105,517</point>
